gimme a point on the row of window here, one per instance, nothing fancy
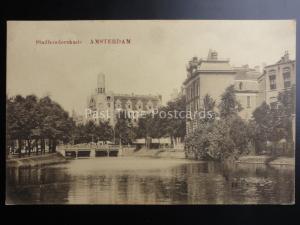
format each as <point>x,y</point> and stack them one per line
<point>139,105</point>
<point>286,78</point>
<point>128,104</point>
<point>193,90</point>
<point>195,106</point>
<point>100,90</point>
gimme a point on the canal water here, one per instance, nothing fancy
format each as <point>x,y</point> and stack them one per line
<point>130,180</point>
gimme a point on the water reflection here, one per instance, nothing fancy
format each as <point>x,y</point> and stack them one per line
<point>150,181</point>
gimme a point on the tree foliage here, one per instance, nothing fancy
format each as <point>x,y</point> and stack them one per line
<point>124,129</point>
<point>92,132</point>
<point>30,121</point>
<point>229,106</point>
<point>222,138</point>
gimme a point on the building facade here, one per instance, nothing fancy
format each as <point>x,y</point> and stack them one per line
<point>246,90</point>
<point>212,76</point>
<point>276,78</point>
<point>108,104</point>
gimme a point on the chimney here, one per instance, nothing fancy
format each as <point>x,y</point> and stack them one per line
<point>257,68</point>
<point>286,56</point>
<point>212,55</point>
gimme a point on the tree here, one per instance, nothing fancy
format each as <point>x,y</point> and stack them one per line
<point>223,138</point>
<point>174,125</point>
<point>104,131</point>
<point>229,106</point>
<point>56,123</point>
<point>208,103</point>
<point>91,131</point>
<point>167,121</point>
<point>146,126</point>
<point>124,128</point>
<point>286,111</point>
<point>30,119</point>
<point>270,125</point>
<point>240,135</point>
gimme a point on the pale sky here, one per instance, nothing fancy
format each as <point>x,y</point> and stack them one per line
<point>154,62</point>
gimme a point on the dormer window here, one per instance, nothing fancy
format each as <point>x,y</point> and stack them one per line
<point>128,105</point>
<point>118,104</point>
<point>150,105</point>
<point>139,105</point>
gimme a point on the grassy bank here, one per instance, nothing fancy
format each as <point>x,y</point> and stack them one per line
<point>36,160</point>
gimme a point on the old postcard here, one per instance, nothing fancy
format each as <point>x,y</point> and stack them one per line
<point>151,112</point>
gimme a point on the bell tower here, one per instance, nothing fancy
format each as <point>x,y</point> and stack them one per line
<point>100,83</point>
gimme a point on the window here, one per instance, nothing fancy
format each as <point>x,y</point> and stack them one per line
<point>108,98</point>
<point>108,105</point>
<point>193,91</point>
<point>273,103</point>
<point>287,77</point>
<point>241,85</point>
<point>248,102</point>
<point>272,82</point>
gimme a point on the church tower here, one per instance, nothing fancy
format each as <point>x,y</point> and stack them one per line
<point>100,84</point>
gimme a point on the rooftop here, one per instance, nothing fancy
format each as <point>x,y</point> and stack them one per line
<point>215,65</point>
<point>247,75</point>
<point>150,96</point>
<point>284,59</point>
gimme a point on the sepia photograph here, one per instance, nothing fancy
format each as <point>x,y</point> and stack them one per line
<point>151,112</point>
